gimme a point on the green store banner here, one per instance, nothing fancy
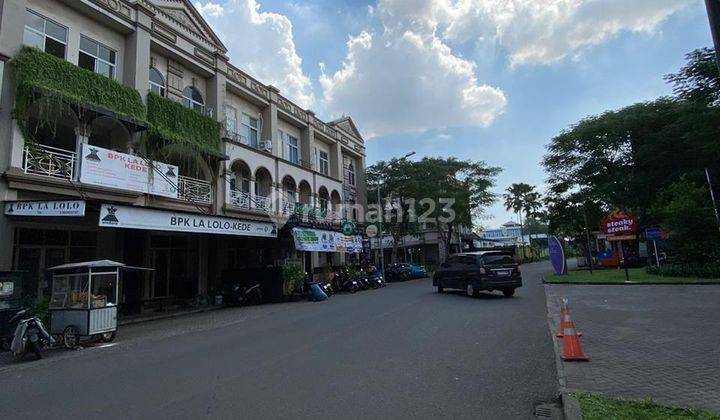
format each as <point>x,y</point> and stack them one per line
<point>326,241</point>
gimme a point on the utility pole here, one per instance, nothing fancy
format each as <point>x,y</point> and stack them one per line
<point>712,197</point>
<point>713,12</point>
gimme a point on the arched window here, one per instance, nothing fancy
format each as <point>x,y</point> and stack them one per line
<point>157,82</point>
<point>193,99</point>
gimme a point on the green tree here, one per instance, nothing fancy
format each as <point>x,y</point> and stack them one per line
<point>684,210</point>
<point>523,200</point>
<point>390,177</point>
<point>698,80</point>
<point>448,192</point>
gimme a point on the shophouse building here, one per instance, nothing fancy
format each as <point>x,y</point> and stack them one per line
<point>128,135</point>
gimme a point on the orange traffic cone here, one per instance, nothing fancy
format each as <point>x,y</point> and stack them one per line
<point>572,349</point>
<point>564,321</point>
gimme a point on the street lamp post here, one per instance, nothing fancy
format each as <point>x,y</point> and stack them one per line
<point>380,217</point>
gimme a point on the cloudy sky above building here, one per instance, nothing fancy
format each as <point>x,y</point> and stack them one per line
<point>490,80</point>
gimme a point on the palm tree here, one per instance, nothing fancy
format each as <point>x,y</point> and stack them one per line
<point>516,199</point>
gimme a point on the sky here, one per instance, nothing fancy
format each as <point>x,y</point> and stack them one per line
<point>489,80</point>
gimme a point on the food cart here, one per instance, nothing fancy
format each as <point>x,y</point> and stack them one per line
<point>84,300</point>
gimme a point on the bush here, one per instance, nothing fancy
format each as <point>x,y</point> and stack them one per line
<point>705,271</point>
<point>293,277</point>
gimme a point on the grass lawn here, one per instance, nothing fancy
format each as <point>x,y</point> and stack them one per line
<point>594,407</point>
<point>618,276</point>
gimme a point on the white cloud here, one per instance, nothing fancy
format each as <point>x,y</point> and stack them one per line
<point>531,32</point>
<point>260,43</point>
<point>408,82</point>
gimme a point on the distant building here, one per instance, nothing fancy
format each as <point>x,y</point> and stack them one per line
<point>510,233</point>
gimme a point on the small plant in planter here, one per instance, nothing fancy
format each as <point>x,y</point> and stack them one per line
<point>293,277</point>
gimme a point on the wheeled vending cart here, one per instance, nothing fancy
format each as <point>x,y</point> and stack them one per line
<point>84,300</point>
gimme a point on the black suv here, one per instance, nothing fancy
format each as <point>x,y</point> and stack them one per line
<point>476,271</point>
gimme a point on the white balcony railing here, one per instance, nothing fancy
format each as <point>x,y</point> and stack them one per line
<point>48,161</point>
<point>240,199</point>
<point>247,201</point>
<point>261,203</point>
<point>194,190</point>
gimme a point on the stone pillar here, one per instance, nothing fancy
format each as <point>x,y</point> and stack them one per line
<point>307,144</point>
<point>270,124</point>
<point>361,182</point>
<point>216,90</point>
<point>82,135</point>
<point>136,68</point>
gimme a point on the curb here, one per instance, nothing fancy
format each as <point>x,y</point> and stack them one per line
<point>168,316</point>
<point>571,407</point>
<point>645,283</point>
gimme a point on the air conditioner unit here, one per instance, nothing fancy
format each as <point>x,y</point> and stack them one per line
<point>266,145</point>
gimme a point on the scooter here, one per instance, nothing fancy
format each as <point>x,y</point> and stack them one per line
<point>376,278</point>
<point>326,287</point>
<point>10,321</point>
<point>30,337</point>
<point>242,293</point>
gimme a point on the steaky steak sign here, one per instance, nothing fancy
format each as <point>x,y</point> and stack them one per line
<point>619,223</point>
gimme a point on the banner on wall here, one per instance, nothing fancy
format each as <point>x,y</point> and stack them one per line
<point>46,208</point>
<point>318,240</point>
<point>141,218</point>
<point>108,168</point>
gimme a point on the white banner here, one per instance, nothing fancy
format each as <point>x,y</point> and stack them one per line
<point>326,241</point>
<point>142,218</point>
<point>107,168</point>
<point>46,208</point>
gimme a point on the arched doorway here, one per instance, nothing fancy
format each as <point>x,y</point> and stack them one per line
<point>239,179</point>
<point>263,189</point>
<point>305,193</point>
<point>323,200</point>
<point>289,194</point>
<point>335,204</point>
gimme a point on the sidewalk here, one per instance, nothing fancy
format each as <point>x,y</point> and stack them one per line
<point>661,342</point>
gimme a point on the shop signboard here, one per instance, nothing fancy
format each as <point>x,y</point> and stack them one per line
<point>557,255</point>
<point>108,168</point>
<point>318,240</point>
<point>115,216</point>
<point>62,208</point>
<point>654,234</point>
<point>619,223</point>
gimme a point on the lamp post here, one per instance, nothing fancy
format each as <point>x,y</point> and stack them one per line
<point>380,218</point>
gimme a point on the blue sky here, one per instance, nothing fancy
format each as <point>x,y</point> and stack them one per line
<point>533,79</point>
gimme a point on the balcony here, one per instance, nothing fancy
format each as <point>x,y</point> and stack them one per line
<point>48,161</point>
<point>194,190</point>
<point>246,201</point>
<point>53,162</point>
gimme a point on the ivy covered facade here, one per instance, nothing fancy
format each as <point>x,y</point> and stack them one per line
<point>133,106</point>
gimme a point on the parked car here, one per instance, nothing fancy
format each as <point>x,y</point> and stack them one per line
<point>477,271</point>
<point>415,271</point>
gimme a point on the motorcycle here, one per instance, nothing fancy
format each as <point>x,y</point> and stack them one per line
<point>242,293</point>
<point>30,337</point>
<point>8,324</point>
<point>326,287</point>
<point>376,278</point>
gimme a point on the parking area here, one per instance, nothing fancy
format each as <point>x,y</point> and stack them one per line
<point>660,341</point>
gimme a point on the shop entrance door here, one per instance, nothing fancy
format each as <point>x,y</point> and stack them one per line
<point>36,260</point>
<point>161,275</point>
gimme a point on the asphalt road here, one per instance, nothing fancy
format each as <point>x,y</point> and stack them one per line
<point>399,352</point>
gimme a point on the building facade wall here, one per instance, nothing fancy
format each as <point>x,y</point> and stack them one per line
<point>143,34</point>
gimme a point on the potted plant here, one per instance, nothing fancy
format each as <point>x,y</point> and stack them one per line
<point>293,277</point>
